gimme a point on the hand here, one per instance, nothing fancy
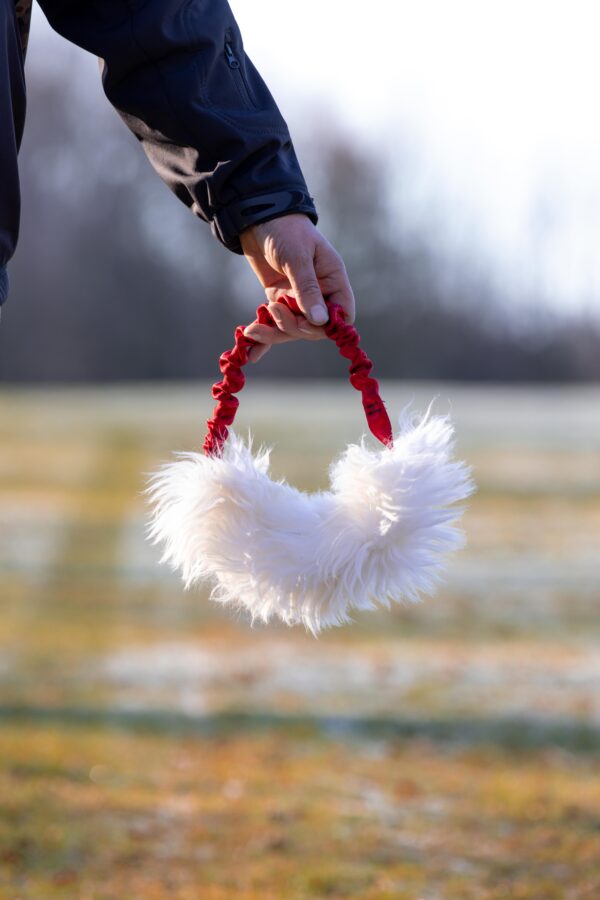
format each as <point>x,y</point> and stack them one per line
<point>290,256</point>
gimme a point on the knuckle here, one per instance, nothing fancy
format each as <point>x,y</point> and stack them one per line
<point>275,291</point>
<point>300,263</point>
<point>316,335</point>
<point>278,319</point>
<point>335,260</point>
<point>301,255</point>
<point>309,285</point>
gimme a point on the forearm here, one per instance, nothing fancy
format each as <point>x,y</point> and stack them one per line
<point>177,73</point>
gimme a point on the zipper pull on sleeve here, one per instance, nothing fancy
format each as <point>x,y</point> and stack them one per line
<point>232,60</point>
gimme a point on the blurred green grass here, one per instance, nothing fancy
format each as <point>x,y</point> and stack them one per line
<point>153,745</point>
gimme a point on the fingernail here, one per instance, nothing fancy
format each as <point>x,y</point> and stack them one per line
<point>318,314</point>
<point>304,329</point>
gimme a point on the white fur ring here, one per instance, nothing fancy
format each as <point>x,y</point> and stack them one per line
<point>380,534</point>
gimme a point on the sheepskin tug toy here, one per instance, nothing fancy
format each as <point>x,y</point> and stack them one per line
<point>381,534</point>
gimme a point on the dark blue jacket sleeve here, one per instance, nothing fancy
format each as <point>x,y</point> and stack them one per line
<point>12,118</point>
<point>177,73</point>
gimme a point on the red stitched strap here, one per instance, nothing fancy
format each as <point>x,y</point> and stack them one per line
<point>347,339</point>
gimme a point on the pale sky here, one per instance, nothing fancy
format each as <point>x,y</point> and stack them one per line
<point>497,104</point>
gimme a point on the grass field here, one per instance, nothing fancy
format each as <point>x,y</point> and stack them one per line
<point>152,745</point>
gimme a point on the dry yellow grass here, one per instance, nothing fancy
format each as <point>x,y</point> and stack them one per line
<point>103,814</point>
<point>153,746</point>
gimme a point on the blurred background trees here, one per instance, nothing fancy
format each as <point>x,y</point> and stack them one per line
<point>116,280</point>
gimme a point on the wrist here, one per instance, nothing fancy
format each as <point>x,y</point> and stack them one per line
<point>231,221</point>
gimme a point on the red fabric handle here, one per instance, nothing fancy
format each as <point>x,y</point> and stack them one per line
<point>347,339</point>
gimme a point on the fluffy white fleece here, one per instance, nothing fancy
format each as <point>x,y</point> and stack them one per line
<point>379,535</point>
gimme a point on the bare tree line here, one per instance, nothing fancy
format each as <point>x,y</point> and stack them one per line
<point>114,279</point>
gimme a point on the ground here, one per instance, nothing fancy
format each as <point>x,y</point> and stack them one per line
<point>154,746</point>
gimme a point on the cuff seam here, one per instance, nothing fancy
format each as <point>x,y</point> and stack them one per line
<point>229,222</point>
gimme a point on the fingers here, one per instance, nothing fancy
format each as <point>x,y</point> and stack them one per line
<point>300,270</point>
<point>324,276</point>
<point>275,292</point>
<point>266,336</point>
<point>288,327</point>
<point>257,352</point>
<point>294,326</point>
<point>290,256</point>
<point>333,279</point>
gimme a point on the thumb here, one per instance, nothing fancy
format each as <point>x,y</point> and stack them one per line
<point>302,277</point>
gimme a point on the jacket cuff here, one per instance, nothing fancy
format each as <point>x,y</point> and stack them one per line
<point>229,222</point>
